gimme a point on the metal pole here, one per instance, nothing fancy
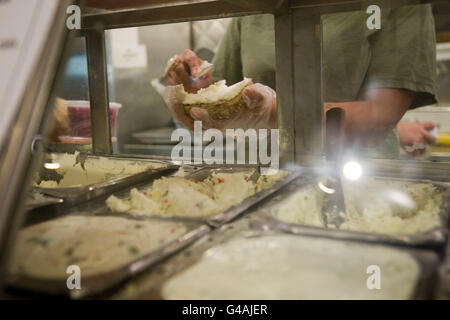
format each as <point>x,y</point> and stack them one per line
<point>285,86</point>
<point>299,85</point>
<point>98,91</point>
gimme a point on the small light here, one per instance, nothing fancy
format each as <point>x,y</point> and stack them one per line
<point>52,165</point>
<point>324,188</point>
<point>352,170</point>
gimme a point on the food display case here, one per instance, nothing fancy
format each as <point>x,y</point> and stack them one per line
<point>154,227</point>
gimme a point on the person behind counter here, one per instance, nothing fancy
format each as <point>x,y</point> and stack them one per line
<point>374,75</point>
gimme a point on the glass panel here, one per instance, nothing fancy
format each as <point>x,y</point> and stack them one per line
<point>72,129</point>
<point>139,59</point>
<point>381,68</point>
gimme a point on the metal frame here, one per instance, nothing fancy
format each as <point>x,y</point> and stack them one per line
<point>180,12</point>
<point>299,84</point>
<point>98,91</point>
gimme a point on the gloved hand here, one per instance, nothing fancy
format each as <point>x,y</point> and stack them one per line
<point>415,137</point>
<point>182,68</point>
<point>176,108</point>
<point>260,113</point>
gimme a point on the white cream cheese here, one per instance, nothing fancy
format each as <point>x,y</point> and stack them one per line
<point>368,209</point>
<point>204,68</point>
<point>95,244</point>
<point>95,170</point>
<point>294,267</point>
<point>48,184</point>
<point>177,196</point>
<point>218,91</point>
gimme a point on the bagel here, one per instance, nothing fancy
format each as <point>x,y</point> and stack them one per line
<point>219,100</point>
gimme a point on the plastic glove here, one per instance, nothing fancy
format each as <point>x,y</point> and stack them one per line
<point>182,68</point>
<point>176,108</point>
<point>260,111</point>
<point>415,137</point>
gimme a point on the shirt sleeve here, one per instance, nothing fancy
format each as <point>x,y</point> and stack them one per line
<point>227,61</point>
<point>403,53</point>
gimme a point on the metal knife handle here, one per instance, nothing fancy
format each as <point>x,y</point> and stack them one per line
<point>334,119</point>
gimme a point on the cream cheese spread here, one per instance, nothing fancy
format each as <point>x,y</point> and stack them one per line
<point>95,244</point>
<point>373,206</point>
<point>178,196</point>
<point>294,267</point>
<point>218,91</point>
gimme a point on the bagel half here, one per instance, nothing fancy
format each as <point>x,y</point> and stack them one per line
<point>219,100</point>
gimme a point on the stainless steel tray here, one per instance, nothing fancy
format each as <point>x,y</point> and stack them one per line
<point>93,285</point>
<point>148,285</point>
<point>433,238</point>
<point>73,195</point>
<point>233,212</point>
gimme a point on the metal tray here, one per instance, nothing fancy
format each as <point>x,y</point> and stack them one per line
<point>37,200</point>
<point>233,212</point>
<point>433,238</point>
<point>74,195</point>
<point>94,285</point>
<point>149,284</point>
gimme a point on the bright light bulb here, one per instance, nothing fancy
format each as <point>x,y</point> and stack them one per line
<point>52,165</point>
<point>352,170</point>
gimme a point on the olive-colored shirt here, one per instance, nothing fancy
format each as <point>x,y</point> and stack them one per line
<point>402,54</point>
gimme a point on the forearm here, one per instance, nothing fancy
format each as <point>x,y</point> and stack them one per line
<point>367,122</point>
